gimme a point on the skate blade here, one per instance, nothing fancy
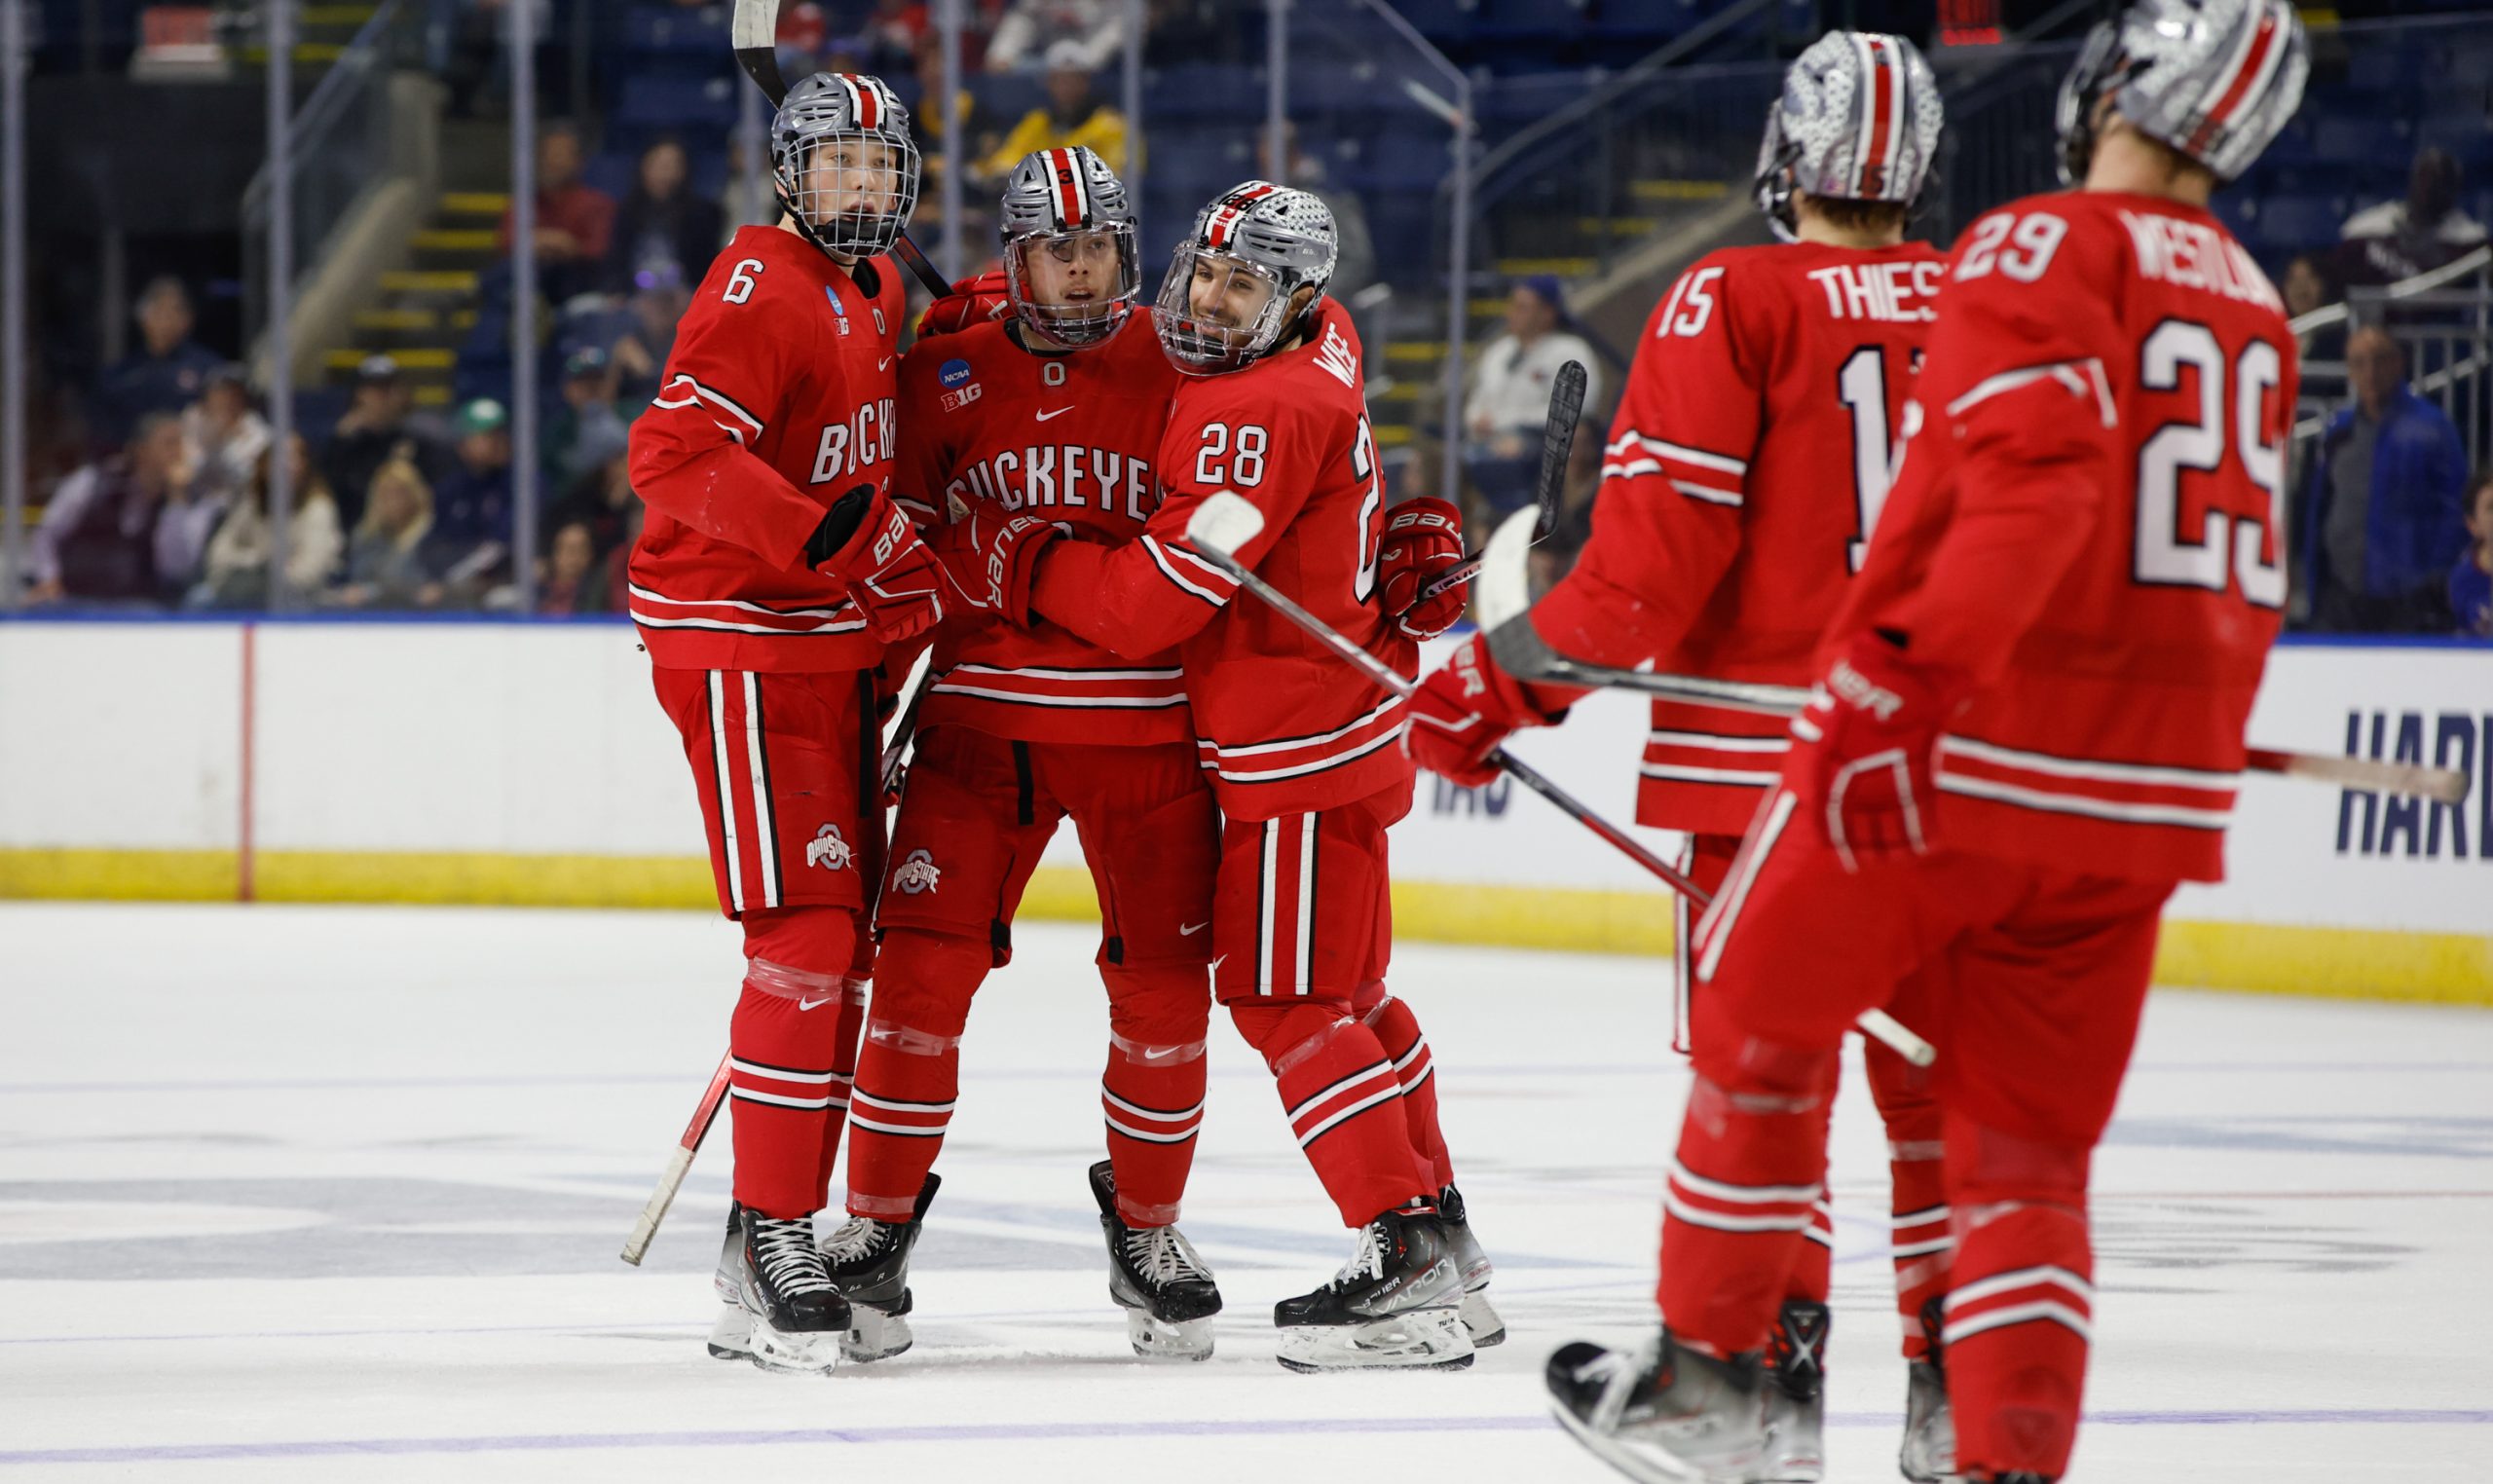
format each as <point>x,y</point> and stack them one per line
<point>1421,1339</point>
<point>812,1352</point>
<point>732,1338</point>
<point>1482,1323</point>
<point>1169,1340</point>
<point>875,1334</point>
<point>1647,1464</point>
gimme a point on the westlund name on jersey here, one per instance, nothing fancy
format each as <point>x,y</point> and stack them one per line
<point>1070,437</point>
<point>1745,471</point>
<point>2110,383</point>
<point>776,400</point>
<point>1283,724</point>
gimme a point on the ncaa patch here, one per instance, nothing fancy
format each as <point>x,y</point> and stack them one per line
<point>952,372</point>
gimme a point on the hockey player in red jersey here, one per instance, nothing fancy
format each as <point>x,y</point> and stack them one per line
<point>772,571</point>
<point>1300,749</point>
<point>2028,729</point>
<point>1744,471</point>
<point>1057,408</point>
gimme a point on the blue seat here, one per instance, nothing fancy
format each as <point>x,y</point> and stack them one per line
<point>2290,224</point>
<point>1544,19</point>
<point>668,29</point>
<point>659,102</point>
<point>2367,139</point>
<point>1441,21</point>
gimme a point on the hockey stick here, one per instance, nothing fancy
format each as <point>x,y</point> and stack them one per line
<point>753,29</point>
<point>645,1227</point>
<point>1226,521</point>
<point>1557,446</point>
<point>1505,606</point>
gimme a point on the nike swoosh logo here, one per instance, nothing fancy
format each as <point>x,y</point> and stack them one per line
<point>814,1004</point>
<point>1189,931</point>
<point>1059,412</point>
<point>885,364</point>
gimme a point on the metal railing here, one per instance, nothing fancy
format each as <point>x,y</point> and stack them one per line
<point>2443,322</point>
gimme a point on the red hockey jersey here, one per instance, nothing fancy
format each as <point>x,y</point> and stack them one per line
<point>776,400</point>
<point>2087,521</point>
<point>1743,473</point>
<point>1068,436</point>
<point>1282,723</point>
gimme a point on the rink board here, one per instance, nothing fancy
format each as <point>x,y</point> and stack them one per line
<point>529,764</point>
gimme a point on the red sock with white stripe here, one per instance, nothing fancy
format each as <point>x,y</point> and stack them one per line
<point>1344,1104</point>
<point>1917,1190</point>
<point>909,1070</point>
<point>1742,1192</point>
<point>1397,1031</point>
<point>2021,1300</point>
<point>1152,1092</point>
<point>783,1043</point>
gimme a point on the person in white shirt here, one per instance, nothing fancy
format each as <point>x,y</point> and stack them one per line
<point>1509,400</point>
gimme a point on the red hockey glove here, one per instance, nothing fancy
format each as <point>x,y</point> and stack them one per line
<point>868,544</point>
<point>1865,753</point>
<point>972,301</point>
<point>1422,541</point>
<point>992,556</point>
<point>1463,712</point>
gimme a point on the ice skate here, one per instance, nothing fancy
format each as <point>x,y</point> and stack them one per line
<point>796,1316</point>
<point>731,1337</point>
<point>1397,1303</point>
<point>868,1259</point>
<point>1154,1275</point>
<point>1662,1412</point>
<point>1480,1322</point>
<point>1929,1452</point>
<point>1796,1395</point>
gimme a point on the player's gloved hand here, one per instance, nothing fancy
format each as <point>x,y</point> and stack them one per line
<point>1423,539</point>
<point>992,556</point>
<point>972,301</point>
<point>1463,712</point>
<point>1865,750</point>
<point>868,544</point>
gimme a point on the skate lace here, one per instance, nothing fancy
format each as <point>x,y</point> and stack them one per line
<point>858,1237</point>
<point>1163,1255</point>
<point>1367,1260</point>
<point>784,1251</point>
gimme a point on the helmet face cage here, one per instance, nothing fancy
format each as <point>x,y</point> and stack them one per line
<point>1071,264</point>
<point>2214,80</point>
<point>843,163</point>
<point>1858,120</point>
<point>1254,233</point>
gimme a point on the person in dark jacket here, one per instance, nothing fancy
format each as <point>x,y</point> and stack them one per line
<point>98,541</point>
<point>663,221</point>
<point>2380,521</point>
<point>168,371</point>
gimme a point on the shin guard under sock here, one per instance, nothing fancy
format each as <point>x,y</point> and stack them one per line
<point>1344,1104</point>
<point>909,1067</point>
<point>1397,1031</point>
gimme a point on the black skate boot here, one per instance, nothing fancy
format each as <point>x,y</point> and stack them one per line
<point>797,1317</point>
<point>868,1259</point>
<point>1397,1303</point>
<point>1479,1321</point>
<point>1167,1292</point>
<point>1796,1395</point>
<point>1929,1452</point>
<point>1662,1412</point>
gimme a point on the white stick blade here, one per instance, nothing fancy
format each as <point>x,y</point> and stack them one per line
<point>1225,521</point>
<point>1505,588</point>
<point>753,24</point>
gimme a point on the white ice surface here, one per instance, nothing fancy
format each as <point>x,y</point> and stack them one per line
<point>335,1194</point>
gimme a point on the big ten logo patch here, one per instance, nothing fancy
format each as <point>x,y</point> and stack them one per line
<point>954,376</point>
<point>2402,825</point>
<point>1489,800</point>
<point>918,873</point>
<point>829,849</point>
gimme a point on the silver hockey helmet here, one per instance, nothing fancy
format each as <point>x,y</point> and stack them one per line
<point>2212,78</point>
<point>1070,265</point>
<point>843,163</point>
<point>1233,278</point>
<point>1858,120</point>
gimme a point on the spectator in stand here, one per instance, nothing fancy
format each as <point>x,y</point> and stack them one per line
<point>658,302</point>
<point>1084,35</point>
<point>380,423</point>
<point>2381,522</point>
<point>575,220</point>
<point>574,583</point>
<point>602,500</point>
<point>1355,258</point>
<point>168,371</point>
<point>236,573</point>
<point>226,434</point>
<point>890,37</point>
<point>980,133</point>
<point>2472,579</point>
<point>98,543</point>
<point>1073,115</point>
<point>471,506</point>
<point>2309,286</point>
<point>588,424</point>
<point>2400,239</point>
<point>664,223</point>
<point>389,563</point>
<point>1510,402</point>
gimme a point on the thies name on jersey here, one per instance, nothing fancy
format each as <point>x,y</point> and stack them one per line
<point>1895,293</point>
<point>869,437</point>
<point>1061,475</point>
